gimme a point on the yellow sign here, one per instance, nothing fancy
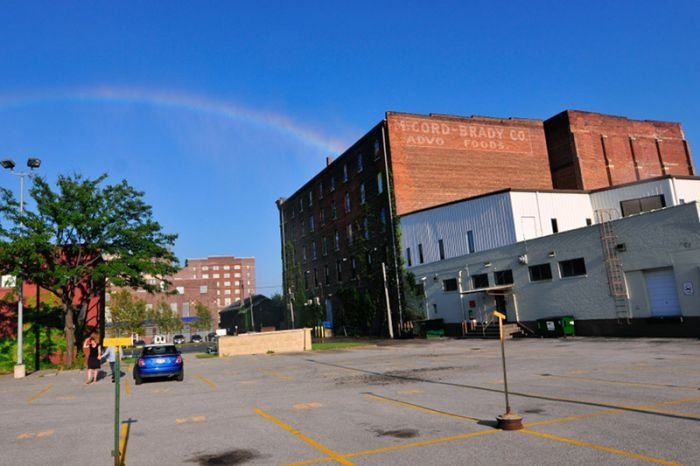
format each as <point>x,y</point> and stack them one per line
<point>499,315</point>
<point>120,341</point>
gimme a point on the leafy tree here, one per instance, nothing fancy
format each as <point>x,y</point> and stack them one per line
<point>81,237</point>
<point>165,319</point>
<point>203,321</point>
<point>128,313</point>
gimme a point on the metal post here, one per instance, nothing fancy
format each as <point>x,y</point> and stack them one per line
<point>117,378</point>
<point>20,370</point>
<point>388,306</point>
<point>509,420</point>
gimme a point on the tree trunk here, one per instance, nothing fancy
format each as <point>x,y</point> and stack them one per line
<point>69,334</point>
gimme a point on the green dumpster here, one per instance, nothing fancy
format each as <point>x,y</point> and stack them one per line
<point>556,326</point>
<point>567,326</point>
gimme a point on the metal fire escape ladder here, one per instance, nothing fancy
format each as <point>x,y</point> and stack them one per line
<point>616,278</point>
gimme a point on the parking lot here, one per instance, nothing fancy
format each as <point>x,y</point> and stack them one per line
<point>583,401</point>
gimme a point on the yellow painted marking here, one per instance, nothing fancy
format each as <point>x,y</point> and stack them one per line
<point>614,451</point>
<point>277,375</point>
<point>198,418</point>
<point>320,447</point>
<point>422,443</point>
<point>420,408</point>
<point>25,435</point>
<point>206,381</point>
<point>621,382</point>
<point>47,433</point>
<point>117,341</point>
<point>410,392</point>
<point>123,439</point>
<point>572,418</point>
<point>181,420</point>
<point>42,392</point>
<point>307,405</point>
<point>127,386</point>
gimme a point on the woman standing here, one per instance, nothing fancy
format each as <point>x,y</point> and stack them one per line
<point>94,352</point>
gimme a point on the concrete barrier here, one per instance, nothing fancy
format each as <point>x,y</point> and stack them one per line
<point>283,341</point>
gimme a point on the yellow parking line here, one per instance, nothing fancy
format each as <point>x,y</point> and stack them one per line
<point>620,382</point>
<point>123,440</point>
<point>38,395</point>
<point>615,451</point>
<point>320,447</point>
<point>277,375</point>
<point>206,381</point>
<point>420,408</point>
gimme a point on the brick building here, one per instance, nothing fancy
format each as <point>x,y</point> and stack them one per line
<point>340,229</point>
<point>215,281</point>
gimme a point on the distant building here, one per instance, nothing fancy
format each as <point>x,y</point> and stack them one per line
<point>215,281</point>
<point>343,229</point>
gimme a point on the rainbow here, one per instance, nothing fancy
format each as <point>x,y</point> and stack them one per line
<point>182,101</point>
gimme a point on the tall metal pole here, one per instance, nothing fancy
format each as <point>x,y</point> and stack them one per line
<point>388,305</point>
<point>20,370</point>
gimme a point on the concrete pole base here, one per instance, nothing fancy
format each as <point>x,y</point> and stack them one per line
<point>510,421</point>
<point>20,371</point>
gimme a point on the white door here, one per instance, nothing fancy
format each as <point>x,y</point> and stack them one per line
<point>661,289</point>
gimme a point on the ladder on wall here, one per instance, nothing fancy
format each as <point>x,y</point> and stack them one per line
<point>613,266</point>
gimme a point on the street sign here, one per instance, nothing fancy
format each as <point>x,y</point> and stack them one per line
<point>119,341</point>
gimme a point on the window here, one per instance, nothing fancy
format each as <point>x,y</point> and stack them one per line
<point>353,263</point>
<point>311,198</point>
<point>441,247</point>
<point>365,227</point>
<point>227,301</point>
<point>347,202</point>
<point>326,275</point>
<point>589,222</point>
<point>205,276</point>
<point>644,204</point>
<point>360,163</point>
<point>301,204</point>
<point>380,183</point>
<point>420,253</point>
<point>339,270</point>
<point>203,289</point>
<point>449,284</point>
<point>315,278</point>
<point>216,275</point>
<point>480,280</point>
<point>227,291</point>
<point>332,188</point>
<point>186,309</point>
<point>227,283</point>
<point>362,194</point>
<point>540,272</point>
<point>313,250</point>
<point>227,275</point>
<point>324,246</point>
<point>320,189</point>
<point>337,241</point>
<point>349,227</point>
<point>334,211</point>
<point>216,267</point>
<point>503,277</point>
<point>377,149</point>
<point>408,257</point>
<point>322,216</point>
<point>311,223</point>
<point>227,267</point>
<point>345,173</point>
<point>382,217</point>
<point>180,290</point>
<point>205,267</point>
<point>572,268</point>
<point>555,226</point>
<point>470,241</point>
<point>303,253</point>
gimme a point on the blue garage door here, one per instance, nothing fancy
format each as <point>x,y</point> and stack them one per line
<point>663,297</point>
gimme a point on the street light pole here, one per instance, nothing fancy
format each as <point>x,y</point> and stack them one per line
<point>32,163</point>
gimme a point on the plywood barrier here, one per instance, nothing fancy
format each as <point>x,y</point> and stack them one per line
<point>283,341</point>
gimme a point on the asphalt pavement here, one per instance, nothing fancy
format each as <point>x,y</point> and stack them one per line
<point>583,401</point>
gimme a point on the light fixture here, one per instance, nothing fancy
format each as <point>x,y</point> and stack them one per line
<point>8,163</point>
<point>487,264</point>
<point>33,163</point>
<point>551,254</point>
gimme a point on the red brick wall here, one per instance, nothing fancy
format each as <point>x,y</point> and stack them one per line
<point>437,159</point>
<point>591,150</point>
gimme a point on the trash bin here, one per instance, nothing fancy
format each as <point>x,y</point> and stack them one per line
<point>556,326</point>
<point>431,327</point>
<point>567,326</point>
<point>550,327</point>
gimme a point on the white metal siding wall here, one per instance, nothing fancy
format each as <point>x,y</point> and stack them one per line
<point>489,218</point>
<point>687,190</point>
<point>610,199</point>
<point>570,209</point>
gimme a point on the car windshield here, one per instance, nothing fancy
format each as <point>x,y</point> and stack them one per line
<point>156,350</point>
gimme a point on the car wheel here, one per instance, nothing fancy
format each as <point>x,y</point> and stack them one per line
<point>181,376</point>
<point>137,380</point>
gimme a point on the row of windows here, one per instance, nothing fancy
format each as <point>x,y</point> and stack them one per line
<point>540,272</point>
<point>351,232</point>
<point>308,199</point>
<point>312,278</point>
<point>469,238</point>
<point>216,267</point>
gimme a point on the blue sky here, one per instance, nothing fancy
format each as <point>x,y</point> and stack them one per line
<point>215,109</point>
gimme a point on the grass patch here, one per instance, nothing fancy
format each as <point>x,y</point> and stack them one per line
<point>338,345</point>
<point>206,356</point>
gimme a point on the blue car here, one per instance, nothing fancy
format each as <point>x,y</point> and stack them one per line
<point>159,361</point>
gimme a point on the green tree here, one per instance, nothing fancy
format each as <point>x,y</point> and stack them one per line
<point>127,312</point>
<point>203,321</point>
<point>79,238</point>
<point>166,320</point>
